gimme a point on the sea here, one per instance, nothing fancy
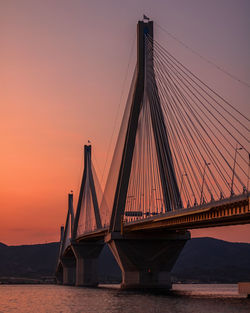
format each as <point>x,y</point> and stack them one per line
<point>187,298</point>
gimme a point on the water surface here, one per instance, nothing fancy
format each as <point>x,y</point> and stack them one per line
<point>55,299</point>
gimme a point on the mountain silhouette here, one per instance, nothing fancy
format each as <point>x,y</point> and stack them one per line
<point>201,260</point>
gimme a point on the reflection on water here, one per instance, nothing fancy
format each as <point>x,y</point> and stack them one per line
<point>53,299</point>
<point>210,290</point>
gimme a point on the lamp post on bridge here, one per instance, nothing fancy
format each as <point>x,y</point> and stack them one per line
<point>151,204</point>
<point>248,171</point>
<point>182,179</point>
<point>161,204</point>
<point>203,179</point>
<point>232,184</point>
<point>140,204</point>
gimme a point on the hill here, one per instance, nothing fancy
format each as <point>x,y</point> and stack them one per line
<point>209,259</point>
<point>32,261</point>
<point>202,260</point>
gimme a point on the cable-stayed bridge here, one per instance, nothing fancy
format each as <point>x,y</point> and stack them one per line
<point>181,161</point>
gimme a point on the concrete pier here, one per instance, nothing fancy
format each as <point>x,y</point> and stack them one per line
<point>244,288</point>
<point>147,260</point>
<point>59,274</point>
<point>69,270</point>
<point>86,255</point>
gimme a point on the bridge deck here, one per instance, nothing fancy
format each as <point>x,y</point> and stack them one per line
<point>230,211</point>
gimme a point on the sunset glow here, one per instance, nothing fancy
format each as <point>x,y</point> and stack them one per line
<point>66,69</point>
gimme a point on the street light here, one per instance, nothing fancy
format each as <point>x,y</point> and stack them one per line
<point>232,184</point>
<point>203,179</point>
<point>182,179</point>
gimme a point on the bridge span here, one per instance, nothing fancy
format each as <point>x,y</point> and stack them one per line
<point>231,211</point>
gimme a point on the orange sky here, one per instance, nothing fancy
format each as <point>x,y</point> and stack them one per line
<point>63,66</point>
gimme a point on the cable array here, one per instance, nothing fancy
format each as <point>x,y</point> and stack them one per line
<point>207,139</point>
<point>112,179</point>
<point>206,132</point>
<point>191,146</point>
<point>87,219</point>
<point>218,67</point>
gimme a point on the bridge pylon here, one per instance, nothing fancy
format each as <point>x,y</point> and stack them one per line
<point>146,259</point>
<point>87,213</point>
<point>145,94</point>
<point>65,272</point>
<point>87,219</point>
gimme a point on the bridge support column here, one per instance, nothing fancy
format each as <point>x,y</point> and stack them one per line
<point>244,288</point>
<point>59,274</point>
<point>87,263</point>
<point>69,270</point>
<point>146,260</point>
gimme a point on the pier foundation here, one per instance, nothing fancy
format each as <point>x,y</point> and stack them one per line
<point>244,288</point>
<point>59,274</point>
<point>69,270</point>
<point>146,260</point>
<point>86,255</point>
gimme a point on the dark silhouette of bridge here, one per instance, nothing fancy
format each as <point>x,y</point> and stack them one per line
<point>181,162</point>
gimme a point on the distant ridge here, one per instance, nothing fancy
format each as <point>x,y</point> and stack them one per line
<point>32,261</point>
<point>207,259</point>
<point>202,260</point>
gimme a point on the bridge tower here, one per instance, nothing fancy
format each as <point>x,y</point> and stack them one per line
<point>59,268</point>
<point>86,253</point>
<point>67,260</point>
<point>146,258</point>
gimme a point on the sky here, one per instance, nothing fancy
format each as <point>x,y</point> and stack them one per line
<point>66,68</point>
